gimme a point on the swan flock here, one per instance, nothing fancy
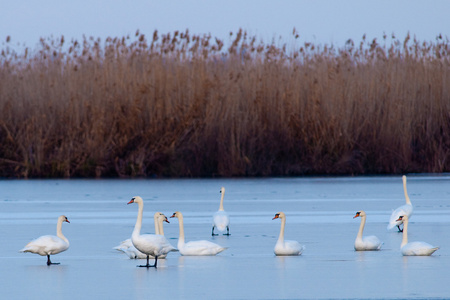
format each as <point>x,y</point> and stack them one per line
<point>157,246</point>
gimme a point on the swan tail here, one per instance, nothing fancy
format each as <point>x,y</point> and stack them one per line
<point>391,225</point>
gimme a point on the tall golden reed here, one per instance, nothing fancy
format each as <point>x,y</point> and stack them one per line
<point>185,105</point>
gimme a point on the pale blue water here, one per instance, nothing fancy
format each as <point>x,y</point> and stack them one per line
<point>319,215</point>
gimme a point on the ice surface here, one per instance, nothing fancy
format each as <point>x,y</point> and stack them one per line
<point>319,215</point>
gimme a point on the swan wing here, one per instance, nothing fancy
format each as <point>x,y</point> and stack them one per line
<point>152,244</point>
<point>201,248</point>
<point>403,210</point>
<point>289,247</point>
<point>418,248</point>
<point>46,245</point>
<point>221,220</point>
<point>370,242</point>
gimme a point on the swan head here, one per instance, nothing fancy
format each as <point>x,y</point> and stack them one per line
<point>136,199</point>
<point>163,216</point>
<point>402,218</point>
<point>177,214</point>
<point>360,213</point>
<point>222,190</point>
<point>64,219</point>
<point>159,215</point>
<point>279,215</point>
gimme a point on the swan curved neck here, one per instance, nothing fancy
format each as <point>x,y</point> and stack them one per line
<point>361,227</point>
<point>281,236</point>
<point>137,227</point>
<point>181,225</point>
<point>221,200</point>
<point>160,228</point>
<point>408,201</point>
<point>157,227</point>
<point>59,229</point>
<point>405,233</point>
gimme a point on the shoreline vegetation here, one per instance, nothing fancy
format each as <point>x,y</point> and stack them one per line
<point>182,105</point>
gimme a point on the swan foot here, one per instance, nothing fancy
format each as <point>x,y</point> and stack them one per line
<point>49,262</point>
<point>212,233</point>
<point>399,230</point>
<point>148,265</point>
<point>228,232</point>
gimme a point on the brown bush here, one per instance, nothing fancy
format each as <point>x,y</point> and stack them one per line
<point>183,105</point>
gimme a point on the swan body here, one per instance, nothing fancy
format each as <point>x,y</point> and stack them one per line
<point>286,247</point>
<point>130,250</point>
<point>154,245</point>
<point>404,210</point>
<point>47,245</point>
<point>195,248</point>
<point>414,248</point>
<point>366,243</point>
<point>221,220</point>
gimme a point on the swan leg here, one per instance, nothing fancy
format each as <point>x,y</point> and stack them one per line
<point>399,230</point>
<point>213,231</point>
<point>49,262</point>
<point>228,231</point>
<point>148,264</point>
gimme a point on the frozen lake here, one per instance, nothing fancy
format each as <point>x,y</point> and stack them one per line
<point>319,215</point>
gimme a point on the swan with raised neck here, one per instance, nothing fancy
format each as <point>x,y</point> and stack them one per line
<point>194,248</point>
<point>286,247</point>
<point>47,245</point>
<point>221,219</point>
<point>404,210</point>
<point>414,248</point>
<point>367,243</point>
<point>154,245</point>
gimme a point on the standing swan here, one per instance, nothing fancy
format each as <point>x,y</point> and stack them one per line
<point>195,248</point>
<point>131,251</point>
<point>368,242</point>
<point>414,248</point>
<point>49,244</point>
<point>150,244</point>
<point>221,220</point>
<point>286,247</point>
<point>404,210</point>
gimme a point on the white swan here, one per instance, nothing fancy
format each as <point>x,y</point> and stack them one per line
<point>404,210</point>
<point>128,248</point>
<point>195,248</point>
<point>286,247</point>
<point>366,243</point>
<point>414,248</point>
<point>150,244</point>
<point>221,220</point>
<point>49,244</point>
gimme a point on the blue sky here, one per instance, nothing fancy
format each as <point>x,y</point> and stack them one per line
<point>319,21</point>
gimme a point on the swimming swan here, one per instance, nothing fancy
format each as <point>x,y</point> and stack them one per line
<point>49,244</point>
<point>414,248</point>
<point>131,251</point>
<point>150,244</point>
<point>368,242</point>
<point>404,210</point>
<point>286,247</point>
<point>194,248</point>
<point>221,220</point>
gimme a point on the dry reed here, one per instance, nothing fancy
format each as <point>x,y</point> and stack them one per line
<point>185,105</point>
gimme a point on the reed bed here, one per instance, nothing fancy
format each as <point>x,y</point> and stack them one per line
<point>183,105</point>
